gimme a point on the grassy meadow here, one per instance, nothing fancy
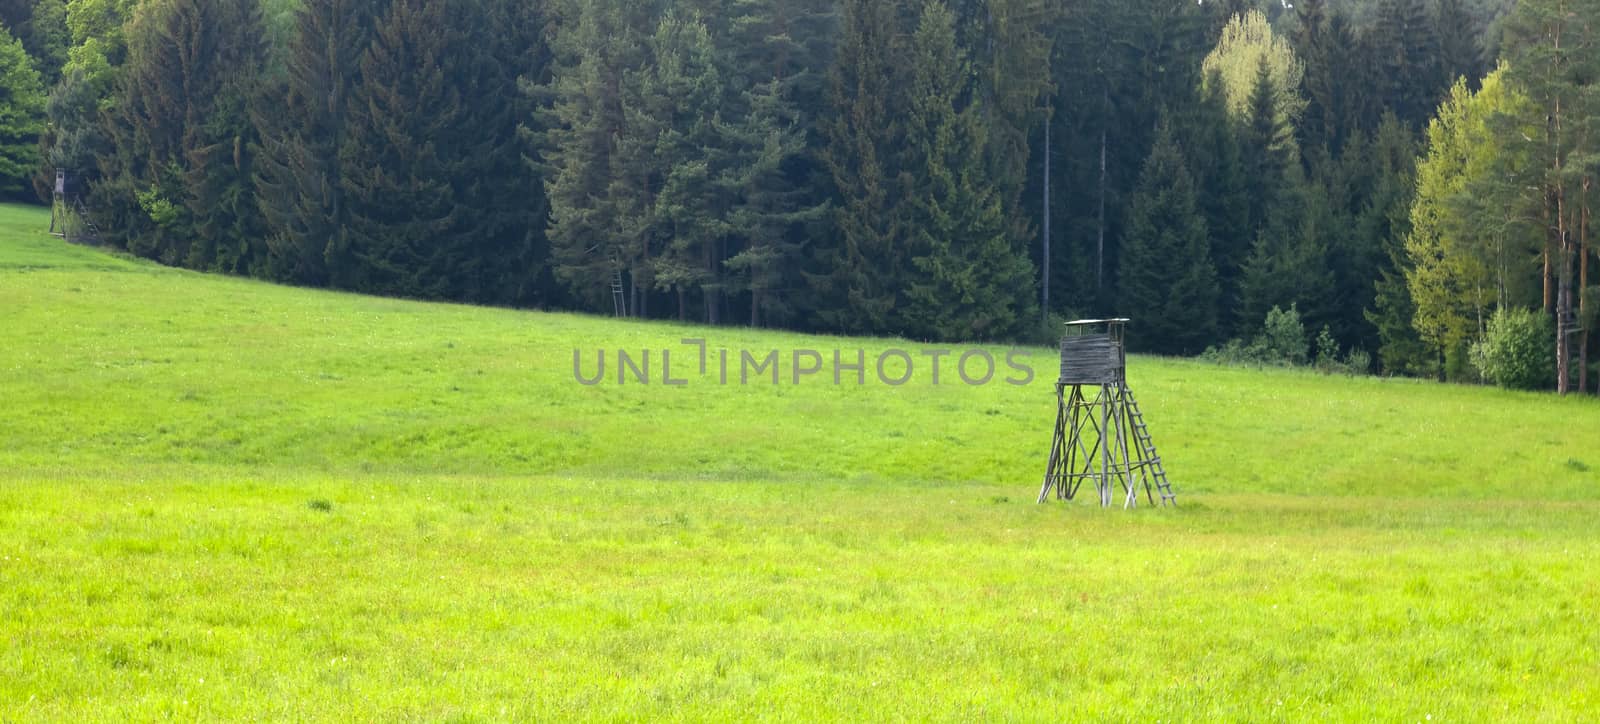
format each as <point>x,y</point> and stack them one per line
<point>221,498</point>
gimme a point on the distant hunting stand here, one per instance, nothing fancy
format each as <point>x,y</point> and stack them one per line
<point>1092,437</point>
<point>68,217</point>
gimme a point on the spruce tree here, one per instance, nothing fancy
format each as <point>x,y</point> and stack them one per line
<point>1460,56</point>
<point>220,156</point>
<point>667,165</point>
<point>1167,280</point>
<point>778,48</point>
<point>858,278</point>
<point>1289,262</point>
<point>966,280</point>
<point>1290,221</point>
<point>1337,84</point>
<point>1212,151</point>
<point>1008,47</point>
<point>176,187</point>
<point>503,231</point>
<point>581,122</point>
<point>404,163</point>
<point>47,39</point>
<point>1404,50</point>
<point>1266,151</point>
<point>304,130</point>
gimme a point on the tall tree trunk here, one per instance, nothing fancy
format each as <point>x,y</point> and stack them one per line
<point>1563,256</point>
<point>1100,238</point>
<point>1044,306</point>
<point>1583,285</point>
<point>1546,275</point>
<point>708,290</point>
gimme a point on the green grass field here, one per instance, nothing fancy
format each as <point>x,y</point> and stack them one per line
<point>225,499</point>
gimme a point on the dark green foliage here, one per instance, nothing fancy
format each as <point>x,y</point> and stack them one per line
<point>1517,351</point>
<point>1288,263</point>
<point>852,166</point>
<point>1338,77</point>
<point>305,126</point>
<point>772,207</point>
<point>21,118</point>
<point>46,38</point>
<point>430,134</point>
<point>967,280</point>
<point>670,207</point>
<point>1166,276</point>
<point>1115,67</point>
<point>1291,218</point>
<point>582,122</point>
<point>1460,54</point>
<point>1384,219</point>
<point>861,266</point>
<point>1007,44</point>
<point>1409,74</point>
<point>176,188</point>
<point>1211,148</point>
<point>1265,147</point>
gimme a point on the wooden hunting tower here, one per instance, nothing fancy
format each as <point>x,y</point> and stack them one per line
<point>1103,439</point>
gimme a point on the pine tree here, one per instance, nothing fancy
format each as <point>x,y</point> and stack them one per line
<point>1167,279</point>
<point>1550,47</point>
<point>858,281</point>
<point>966,280</point>
<point>21,117</point>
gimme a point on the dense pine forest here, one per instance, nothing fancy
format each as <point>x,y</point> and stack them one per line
<point>1407,181</point>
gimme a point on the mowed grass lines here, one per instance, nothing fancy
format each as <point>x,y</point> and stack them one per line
<point>226,499</point>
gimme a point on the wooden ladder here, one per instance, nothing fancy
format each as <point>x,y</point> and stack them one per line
<point>619,296</point>
<point>1150,461</point>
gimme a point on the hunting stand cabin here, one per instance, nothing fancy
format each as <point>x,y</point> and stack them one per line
<point>1093,436</point>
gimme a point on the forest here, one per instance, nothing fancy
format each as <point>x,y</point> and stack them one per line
<point>1409,181</point>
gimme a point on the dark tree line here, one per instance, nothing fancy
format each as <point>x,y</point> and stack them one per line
<point>940,169</point>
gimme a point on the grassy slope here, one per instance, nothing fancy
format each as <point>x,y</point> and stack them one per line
<point>500,540</point>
